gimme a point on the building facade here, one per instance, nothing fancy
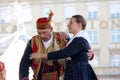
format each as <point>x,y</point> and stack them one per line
<point>103,27</point>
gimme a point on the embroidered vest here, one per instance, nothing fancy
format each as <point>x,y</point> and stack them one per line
<point>59,42</point>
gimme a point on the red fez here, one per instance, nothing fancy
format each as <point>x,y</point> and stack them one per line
<point>43,23</point>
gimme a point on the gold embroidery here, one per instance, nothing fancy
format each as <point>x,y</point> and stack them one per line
<point>58,43</point>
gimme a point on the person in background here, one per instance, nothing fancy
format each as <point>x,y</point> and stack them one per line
<point>46,41</point>
<point>77,67</point>
<point>2,71</point>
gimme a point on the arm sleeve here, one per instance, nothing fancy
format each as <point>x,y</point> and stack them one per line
<point>75,47</point>
<point>25,62</point>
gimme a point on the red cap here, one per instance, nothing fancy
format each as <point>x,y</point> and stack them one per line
<point>43,23</point>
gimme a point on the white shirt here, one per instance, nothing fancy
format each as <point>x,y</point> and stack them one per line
<point>81,33</point>
<point>47,44</point>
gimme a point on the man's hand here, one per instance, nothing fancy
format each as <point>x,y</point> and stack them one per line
<point>90,54</point>
<point>34,55</point>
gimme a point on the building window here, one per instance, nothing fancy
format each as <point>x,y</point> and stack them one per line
<point>69,12</point>
<point>115,36</point>
<point>92,12</point>
<point>115,11</point>
<point>115,15</point>
<point>92,15</point>
<point>16,11</point>
<point>20,11</point>
<point>4,16</point>
<point>93,35</point>
<point>115,60</point>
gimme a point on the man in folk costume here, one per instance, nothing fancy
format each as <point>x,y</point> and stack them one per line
<point>46,41</point>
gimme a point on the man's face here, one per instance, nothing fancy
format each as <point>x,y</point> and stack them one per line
<point>45,34</point>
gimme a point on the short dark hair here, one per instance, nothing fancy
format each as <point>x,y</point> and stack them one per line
<point>80,19</point>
